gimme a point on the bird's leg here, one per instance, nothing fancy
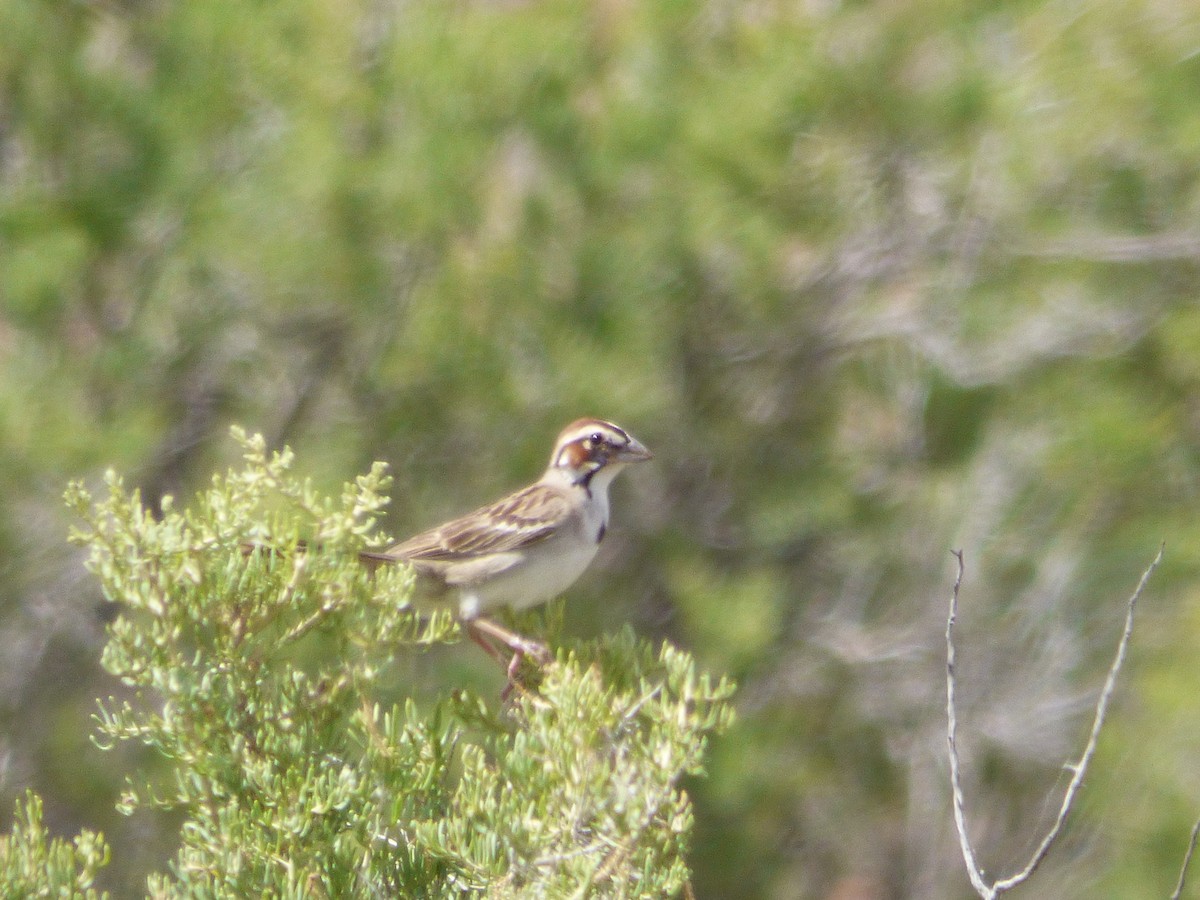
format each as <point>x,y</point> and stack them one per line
<point>478,637</point>
<point>481,630</point>
<point>521,646</point>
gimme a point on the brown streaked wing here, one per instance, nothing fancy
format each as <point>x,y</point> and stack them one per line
<point>526,517</point>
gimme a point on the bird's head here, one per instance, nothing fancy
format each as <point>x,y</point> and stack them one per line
<point>588,447</point>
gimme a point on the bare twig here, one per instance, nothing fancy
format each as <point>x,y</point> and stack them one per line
<point>1187,859</point>
<point>1078,768</point>
<point>960,823</point>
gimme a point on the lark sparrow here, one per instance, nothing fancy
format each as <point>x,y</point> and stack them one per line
<point>527,548</point>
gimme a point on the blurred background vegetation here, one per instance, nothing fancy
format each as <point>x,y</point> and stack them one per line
<point>875,280</point>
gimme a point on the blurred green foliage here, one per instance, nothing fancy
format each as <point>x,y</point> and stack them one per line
<point>873,280</point>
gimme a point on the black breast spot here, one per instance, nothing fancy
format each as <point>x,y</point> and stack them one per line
<point>600,534</point>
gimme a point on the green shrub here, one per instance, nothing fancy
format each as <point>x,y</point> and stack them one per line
<point>266,678</point>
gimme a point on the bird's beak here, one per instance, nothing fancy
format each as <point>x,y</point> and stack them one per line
<point>634,451</point>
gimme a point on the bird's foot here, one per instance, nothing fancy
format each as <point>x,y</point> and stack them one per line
<point>484,632</point>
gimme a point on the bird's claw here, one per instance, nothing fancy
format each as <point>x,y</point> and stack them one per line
<point>523,649</point>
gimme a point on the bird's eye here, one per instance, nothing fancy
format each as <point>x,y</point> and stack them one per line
<point>597,438</point>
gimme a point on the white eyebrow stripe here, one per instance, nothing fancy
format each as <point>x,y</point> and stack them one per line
<point>607,429</point>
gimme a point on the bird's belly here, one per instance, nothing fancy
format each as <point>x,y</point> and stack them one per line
<point>534,580</point>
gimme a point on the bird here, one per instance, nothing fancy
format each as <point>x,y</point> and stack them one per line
<point>526,548</point>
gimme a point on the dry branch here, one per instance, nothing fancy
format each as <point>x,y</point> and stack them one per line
<point>1187,859</point>
<point>1077,768</point>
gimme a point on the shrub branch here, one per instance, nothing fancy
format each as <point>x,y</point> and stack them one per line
<point>1077,768</point>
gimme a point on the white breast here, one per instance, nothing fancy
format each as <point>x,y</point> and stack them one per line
<point>545,570</point>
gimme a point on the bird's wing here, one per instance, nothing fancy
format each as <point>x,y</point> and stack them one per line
<point>518,521</point>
